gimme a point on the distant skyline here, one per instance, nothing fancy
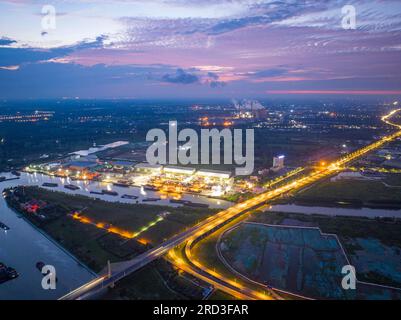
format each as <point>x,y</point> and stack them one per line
<point>144,49</point>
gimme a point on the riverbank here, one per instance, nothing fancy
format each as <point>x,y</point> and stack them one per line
<point>153,282</point>
<point>22,246</point>
<point>101,225</point>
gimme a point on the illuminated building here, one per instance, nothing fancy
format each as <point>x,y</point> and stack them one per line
<point>179,170</point>
<point>149,168</point>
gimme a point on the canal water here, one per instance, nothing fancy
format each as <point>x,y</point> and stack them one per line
<point>23,245</point>
<point>87,186</point>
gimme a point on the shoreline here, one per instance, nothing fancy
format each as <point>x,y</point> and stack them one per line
<point>51,239</point>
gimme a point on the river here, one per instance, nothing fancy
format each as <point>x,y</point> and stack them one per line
<point>24,245</point>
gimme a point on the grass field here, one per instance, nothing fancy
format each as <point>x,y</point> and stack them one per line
<point>353,189</point>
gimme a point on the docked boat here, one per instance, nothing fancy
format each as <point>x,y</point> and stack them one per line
<point>110,193</point>
<point>150,199</point>
<point>16,173</point>
<point>122,183</point>
<point>96,192</point>
<point>128,196</point>
<point>71,187</point>
<point>180,201</point>
<point>50,185</point>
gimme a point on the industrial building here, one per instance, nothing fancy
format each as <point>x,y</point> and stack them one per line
<point>214,174</point>
<point>148,168</point>
<point>179,170</point>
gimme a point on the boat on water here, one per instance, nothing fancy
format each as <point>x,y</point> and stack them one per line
<point>96,192</point>
<point>110,193</point>
<point>122,183</point>
<point>4,227</point>
<point>71,187</point>
<point>180,201</point>
<point>7,273</point>
<point>50,185</point>
<point>16,173</point>
<point>150,199</point>
<point>128,196</point>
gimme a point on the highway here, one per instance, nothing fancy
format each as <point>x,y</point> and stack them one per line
<point>191,235</point>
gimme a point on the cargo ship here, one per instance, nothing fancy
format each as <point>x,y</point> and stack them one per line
<point>178,201</point>
<point>128,196</point>
<point>150,199</point>
<point>71,187</point>
<point>149,188</point>
<point>50,185</point>
<point>122,183</point>
<point>110,193</point>
<point>96,192</point>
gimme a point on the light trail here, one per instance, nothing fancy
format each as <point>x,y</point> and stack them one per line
<point>284,177</point>
<point>105,226</point>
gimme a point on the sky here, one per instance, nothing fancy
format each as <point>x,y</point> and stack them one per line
<point>198,48</point>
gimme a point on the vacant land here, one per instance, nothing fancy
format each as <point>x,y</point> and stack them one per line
<point>300,260</point>
<point>364,191</point>
<point>372,245</point>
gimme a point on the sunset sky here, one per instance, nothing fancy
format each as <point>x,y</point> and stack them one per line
<point>199,49</point>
